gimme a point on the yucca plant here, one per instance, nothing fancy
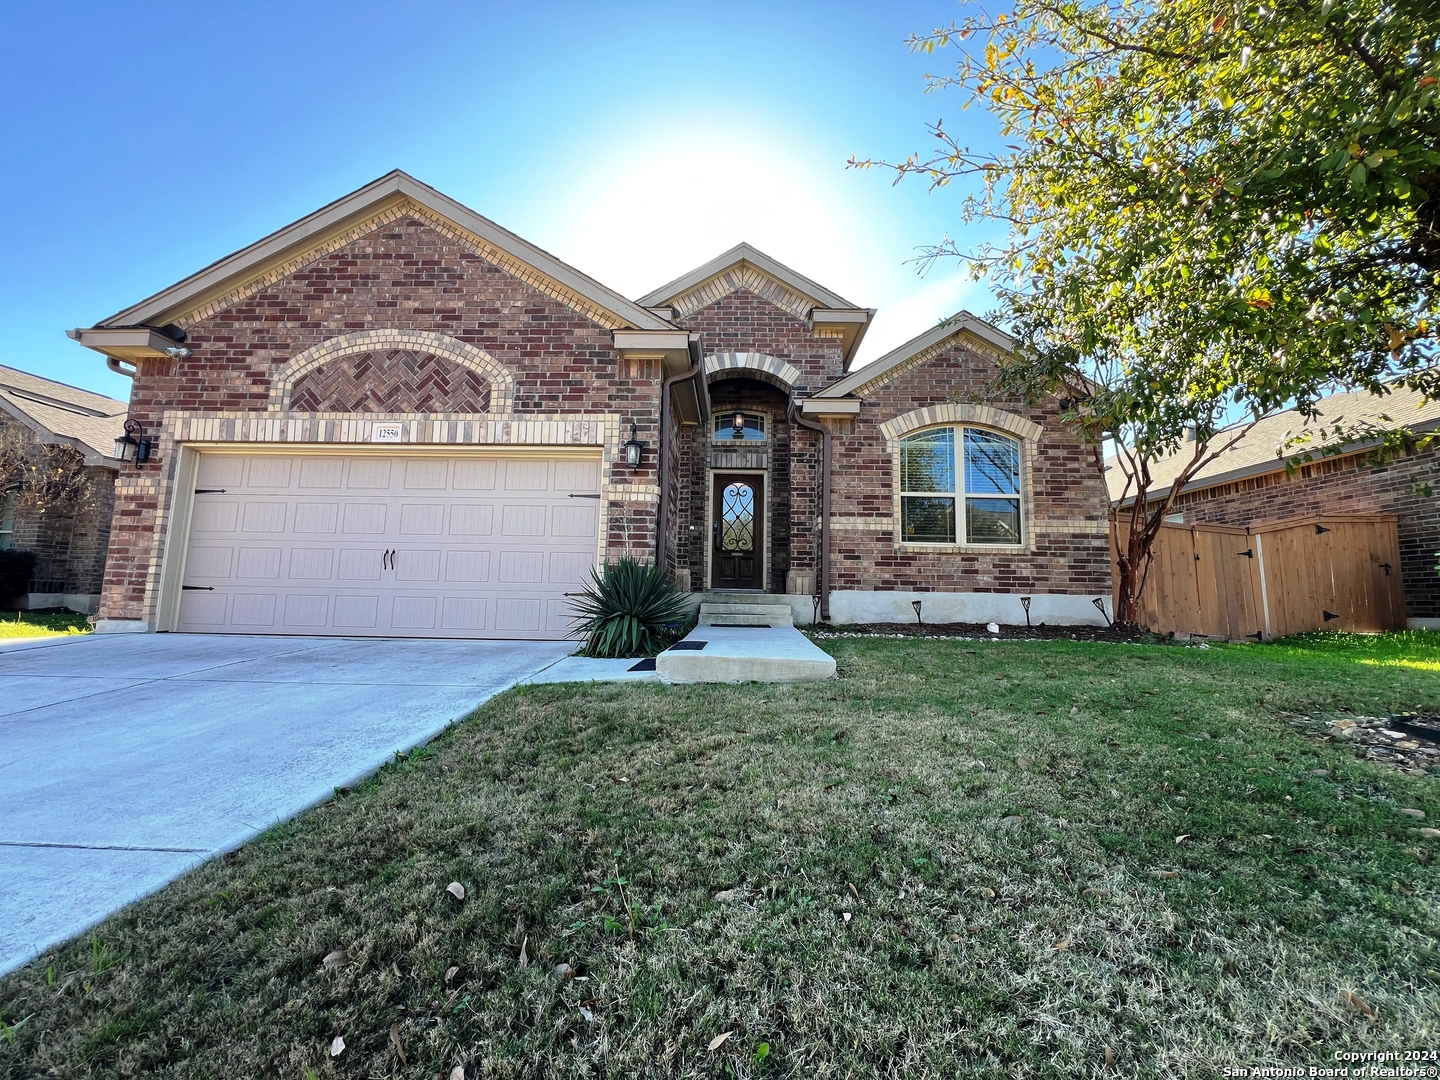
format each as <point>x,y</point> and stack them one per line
<point>629,609</point>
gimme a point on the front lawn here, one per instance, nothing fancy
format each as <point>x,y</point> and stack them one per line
<point>25,624</point>
<point>1011,858</point>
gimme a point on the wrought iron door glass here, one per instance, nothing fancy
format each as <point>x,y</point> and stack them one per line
<point>737,518</point>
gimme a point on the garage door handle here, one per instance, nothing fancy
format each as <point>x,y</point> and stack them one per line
<point>583,496</point>
<point>209,491</point>
<point>197,588</point>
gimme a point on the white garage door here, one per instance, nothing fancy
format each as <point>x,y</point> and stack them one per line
<point>465,547</point>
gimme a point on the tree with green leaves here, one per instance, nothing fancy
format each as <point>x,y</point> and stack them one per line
<point>1215,210</point>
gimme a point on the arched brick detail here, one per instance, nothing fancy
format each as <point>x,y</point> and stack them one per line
<point>754,365</point>
<point>982,415</point>
<point>423,342</point>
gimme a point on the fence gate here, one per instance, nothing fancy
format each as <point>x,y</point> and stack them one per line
<point>1331,572</point>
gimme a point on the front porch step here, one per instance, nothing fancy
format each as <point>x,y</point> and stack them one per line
<point>730,654</point>
<point>741,614</point>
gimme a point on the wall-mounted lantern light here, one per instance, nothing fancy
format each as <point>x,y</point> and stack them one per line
<point>634,449</point>
<point>132,446</point>
<point>738,424</point>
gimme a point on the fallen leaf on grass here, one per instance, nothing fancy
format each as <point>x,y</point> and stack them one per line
<point>587,1014</point>
<point>1013,819</point>
<point>1062,945</point>
<point>728,895</point>
<point>450,973</point>
<point>564,971</point>
<point>337,1046</point>
<point>524,956</point>
<point>1359,1004</point>
<point>395,1042</point>
<point>457,1073</point>
<point>855,892</point>
<point>989,894</point>
<point>1431,833</point>
<point>1096,892</point>
<point>338,958</point>
<point>718,1040</point>
<point>1413,812</point>
<point>456,890</point>
<point>1109,1057</point>
<point>1182,837</point>
<point>846,916</point>
<point>1164,873</point>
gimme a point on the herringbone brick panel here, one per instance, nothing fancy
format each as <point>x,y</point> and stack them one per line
<point>397,381</point>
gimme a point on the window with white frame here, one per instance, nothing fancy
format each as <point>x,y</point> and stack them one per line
<point>960,485</point>
<point>7,518</point>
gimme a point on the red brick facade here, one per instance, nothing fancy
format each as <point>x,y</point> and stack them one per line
<point>1068,549</point>
<point>276,357</point>
<point>405,275</point>
<point>1407,486</point>
<point>1067,523</point>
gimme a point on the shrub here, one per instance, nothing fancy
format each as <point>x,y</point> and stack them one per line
<point>16,569</point>
<point>629,609</point>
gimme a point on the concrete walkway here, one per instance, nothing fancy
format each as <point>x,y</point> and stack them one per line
<point>126,759</point>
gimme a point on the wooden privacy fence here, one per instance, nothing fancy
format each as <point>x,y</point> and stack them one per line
<point>1331,572</point>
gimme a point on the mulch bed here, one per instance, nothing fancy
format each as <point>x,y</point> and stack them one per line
<point>1038,632</point>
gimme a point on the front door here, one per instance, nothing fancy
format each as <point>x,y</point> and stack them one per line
<point>738,532</point>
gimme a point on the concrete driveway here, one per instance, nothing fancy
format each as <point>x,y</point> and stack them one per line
<point>127,759</point>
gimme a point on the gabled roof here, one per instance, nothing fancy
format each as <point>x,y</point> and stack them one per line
<point>289,246</point>
<point>63,414</point>
<point>744,253</point>
<point>1271,443</point>
<point>747,267</point>
<point>979,334</point>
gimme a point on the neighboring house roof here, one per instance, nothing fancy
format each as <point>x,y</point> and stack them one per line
<point>63,414</point>
<point>1273,441</point>
<point>336,224</point>
<point>747,267</point>
<point>978,333</point>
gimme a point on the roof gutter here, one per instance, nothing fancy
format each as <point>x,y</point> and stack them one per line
<point>824,551</point>
<point>662,523</point>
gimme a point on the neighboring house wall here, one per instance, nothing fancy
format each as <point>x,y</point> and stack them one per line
<point>69,549</point>
<point>1064,561</point>
<point>404,275</point>
<point>1408,486</point>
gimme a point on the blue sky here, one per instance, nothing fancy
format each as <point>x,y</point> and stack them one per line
<point>146,140</point>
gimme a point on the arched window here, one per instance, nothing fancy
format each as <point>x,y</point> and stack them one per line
<point>960,485</point>
<point>739,427</point>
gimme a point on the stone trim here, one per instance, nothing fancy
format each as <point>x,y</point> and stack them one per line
<point>502,383</point>
<point>742,276</point>
<point>983,415</point>
<point>781,372</point>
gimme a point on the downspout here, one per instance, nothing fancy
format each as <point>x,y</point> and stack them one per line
<point>824,552</point>
<point>663,518</point>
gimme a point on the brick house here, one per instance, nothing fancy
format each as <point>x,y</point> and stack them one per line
<point>396,418</point>
<point>1286,468</point>
<point>69,548</point>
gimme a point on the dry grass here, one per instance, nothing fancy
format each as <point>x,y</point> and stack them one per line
<point>998,820</point>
